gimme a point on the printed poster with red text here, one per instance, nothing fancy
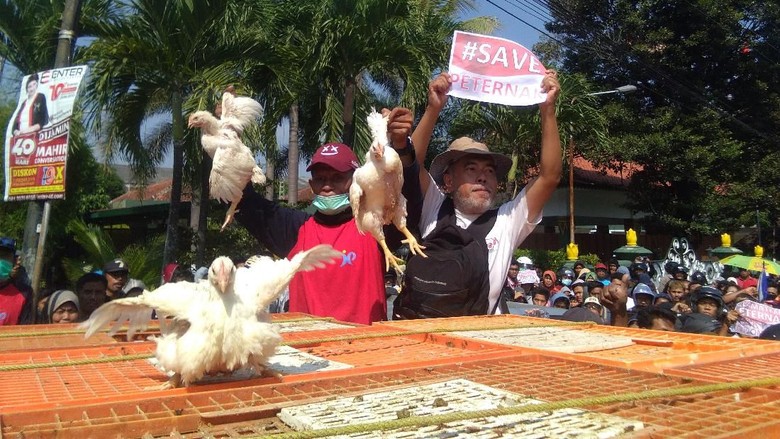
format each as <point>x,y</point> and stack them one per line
<point>496,70</point>
<point>36,139</point>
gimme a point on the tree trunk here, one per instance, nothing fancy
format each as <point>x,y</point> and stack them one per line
<point>270,171</point>
<point>205,170</point>
<point>292,158</point>
<point>34,244</point>
<point>348,136</point>
<point>171,237</point>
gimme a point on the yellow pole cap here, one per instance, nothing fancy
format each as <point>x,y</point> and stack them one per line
<point>572,251</point>
<point>631,238</point>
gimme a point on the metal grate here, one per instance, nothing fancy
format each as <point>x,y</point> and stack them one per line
<point>473,323</point>
<point>552,339</point>
<point>221,410</point>
<point>452,397</point>
<point>732,370</point>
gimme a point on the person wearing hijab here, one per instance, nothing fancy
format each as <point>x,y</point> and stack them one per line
<point>63,307</point>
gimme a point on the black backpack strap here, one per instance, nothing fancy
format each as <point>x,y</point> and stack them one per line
<point>481,226</point>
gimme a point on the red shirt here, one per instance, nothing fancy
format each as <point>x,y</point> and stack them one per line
<point>745,283</point>
<point>11,305</point>
<point>351,290</point>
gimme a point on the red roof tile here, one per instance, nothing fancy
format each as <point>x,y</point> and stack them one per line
<point>617,174</point>
<point>160,191</point>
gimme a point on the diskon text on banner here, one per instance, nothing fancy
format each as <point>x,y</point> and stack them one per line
<point>497,70</point>
<point>36,139</point>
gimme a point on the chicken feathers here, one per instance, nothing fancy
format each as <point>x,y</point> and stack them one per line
<point>216,325</point>
<point>375,193</point>
<point>233,162</point>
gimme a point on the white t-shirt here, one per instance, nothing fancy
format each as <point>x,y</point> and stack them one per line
<point>511,228</point>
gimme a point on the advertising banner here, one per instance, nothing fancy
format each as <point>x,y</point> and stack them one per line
<point>36,139</point>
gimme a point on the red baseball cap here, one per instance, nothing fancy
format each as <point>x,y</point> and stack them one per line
<point>336,155</point>
<point>601,266</point>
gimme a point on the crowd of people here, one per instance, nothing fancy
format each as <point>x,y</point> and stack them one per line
<point>68,305</point>
<point>453,201</point>
<point>676,301</point>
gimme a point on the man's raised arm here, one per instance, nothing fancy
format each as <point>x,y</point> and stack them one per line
<point>421,137</point>
<point>551,164</point>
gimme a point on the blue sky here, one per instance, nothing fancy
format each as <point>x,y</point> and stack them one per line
<point>512,28</point>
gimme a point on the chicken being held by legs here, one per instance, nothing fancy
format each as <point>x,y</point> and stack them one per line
<point>375,194</point>
<point>233,162</point>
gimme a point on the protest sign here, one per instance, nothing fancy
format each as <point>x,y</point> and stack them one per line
<point>36,139</point>
<point>754,318</point>
<point>497,70</point>
<point>527,277</point>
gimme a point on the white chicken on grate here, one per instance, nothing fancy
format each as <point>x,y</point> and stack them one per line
<point>216,325</point>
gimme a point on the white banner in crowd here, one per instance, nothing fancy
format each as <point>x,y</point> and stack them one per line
<point>36,140</point>
<point>754,318</point>
<point>496,70</point>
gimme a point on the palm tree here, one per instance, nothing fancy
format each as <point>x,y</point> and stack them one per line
<point>514,130</point>
<point>357,54</point>
<point>155,62</point>
<point>28,41</point>
<point>143,259</point>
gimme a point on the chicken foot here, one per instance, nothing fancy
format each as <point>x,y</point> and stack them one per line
<point>173,382</point>
<point>262,369</point>
<point>229,214</point>
<point>414,246</point>
<point>390,258</point>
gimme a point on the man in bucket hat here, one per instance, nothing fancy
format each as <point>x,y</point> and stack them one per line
<point>469,173</point>
<point>352,290</point>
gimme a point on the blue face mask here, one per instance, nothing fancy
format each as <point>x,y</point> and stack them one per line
<point>5,269</point>
<point>331,205</point>
<point>566,281</point>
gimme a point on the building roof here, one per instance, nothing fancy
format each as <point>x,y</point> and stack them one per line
<point>155,192</point>
<point>616,174</point>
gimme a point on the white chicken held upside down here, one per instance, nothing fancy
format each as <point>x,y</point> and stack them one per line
<point>375,193</point>
<point>233,162</point>
<point>216,325</point>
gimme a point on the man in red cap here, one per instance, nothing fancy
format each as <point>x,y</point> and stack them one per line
<point>602,273</point>
<point>354,289</point>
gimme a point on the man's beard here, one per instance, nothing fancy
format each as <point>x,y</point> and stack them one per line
<point>470,203</point>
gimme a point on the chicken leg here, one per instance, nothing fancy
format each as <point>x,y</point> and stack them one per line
<point>390,258</point>
<point>414,246</point>
<point>229,214</point>
<point>173,382</point>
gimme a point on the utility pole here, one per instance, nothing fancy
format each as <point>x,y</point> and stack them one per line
<point>621,90</point>
<point>37,222</point>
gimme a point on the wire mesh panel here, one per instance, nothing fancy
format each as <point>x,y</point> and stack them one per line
<point>252,406</point>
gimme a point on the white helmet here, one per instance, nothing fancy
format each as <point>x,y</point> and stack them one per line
<point>525,262</point>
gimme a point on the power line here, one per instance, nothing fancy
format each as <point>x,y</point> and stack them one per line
<point>603,42</point>
<point>531,9</point>
<point>524,22</point>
